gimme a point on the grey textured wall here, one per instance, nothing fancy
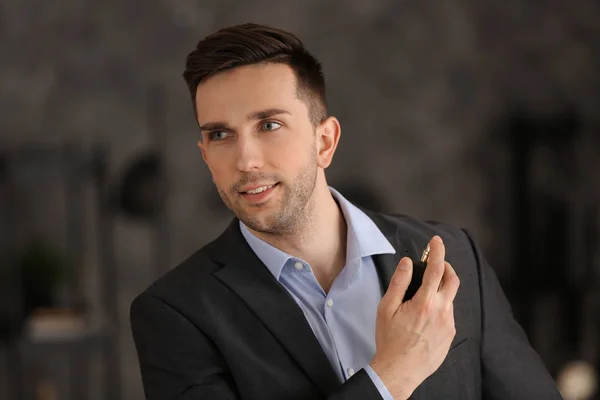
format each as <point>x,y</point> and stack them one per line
<point>419,86</point>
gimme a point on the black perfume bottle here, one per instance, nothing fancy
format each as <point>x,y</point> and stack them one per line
<point>417,277</point>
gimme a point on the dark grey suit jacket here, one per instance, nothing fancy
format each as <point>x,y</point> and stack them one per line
<point>219,326</point>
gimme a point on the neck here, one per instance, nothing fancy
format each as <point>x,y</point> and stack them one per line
<point>322,240</point>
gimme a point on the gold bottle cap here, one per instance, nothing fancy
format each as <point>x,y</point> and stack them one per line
<point>425,255</point>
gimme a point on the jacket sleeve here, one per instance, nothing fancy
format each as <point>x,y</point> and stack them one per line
<point>177,361</point>
<point>511,369</point>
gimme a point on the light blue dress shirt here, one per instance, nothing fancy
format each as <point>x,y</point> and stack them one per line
<point>342,320</point>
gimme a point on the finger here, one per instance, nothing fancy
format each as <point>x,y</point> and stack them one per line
<point>437,253</point>
<point>432,277</point>
<point>398,285</point>
<point>450,283</point>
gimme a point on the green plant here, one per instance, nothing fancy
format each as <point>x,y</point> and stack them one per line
<point>43,269</point>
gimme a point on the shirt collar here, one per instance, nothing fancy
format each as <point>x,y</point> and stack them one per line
<point>362,230</point>
<point>273,258</point>
<point>364,238</point>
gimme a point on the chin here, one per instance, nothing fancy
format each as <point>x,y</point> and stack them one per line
<point>257,225</point>
<point>259,221</point>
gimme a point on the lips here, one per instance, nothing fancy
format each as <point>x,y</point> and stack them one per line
<point>258,195</point>
<point>258,189</point>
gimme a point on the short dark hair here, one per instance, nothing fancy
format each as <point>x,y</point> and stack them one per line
<point>248,44</point>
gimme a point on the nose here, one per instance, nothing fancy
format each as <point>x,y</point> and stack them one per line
<point>249,153</point>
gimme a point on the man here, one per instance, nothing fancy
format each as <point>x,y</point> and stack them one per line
<point>306,296</point>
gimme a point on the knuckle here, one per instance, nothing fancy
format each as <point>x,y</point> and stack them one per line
<point>427,308</point>
<point>450,326</point>
<point>450,321</point>
<point>449,310</point>
<point>455,281</point>
<point>384,311</point>
<point>453,331</point>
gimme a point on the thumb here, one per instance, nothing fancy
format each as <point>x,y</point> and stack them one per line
<point>398,286</point>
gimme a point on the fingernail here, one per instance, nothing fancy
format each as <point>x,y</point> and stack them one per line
<point>439,239</point>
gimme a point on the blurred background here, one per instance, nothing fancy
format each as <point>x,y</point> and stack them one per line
<point>477,113</point>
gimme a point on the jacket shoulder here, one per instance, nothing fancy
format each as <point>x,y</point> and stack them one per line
<point>415,227</point>
<point>196,270</point>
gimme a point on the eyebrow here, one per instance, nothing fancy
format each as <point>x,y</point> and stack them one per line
<point>253,116</point>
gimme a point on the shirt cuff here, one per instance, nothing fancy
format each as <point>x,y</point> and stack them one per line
<point>385,393</point>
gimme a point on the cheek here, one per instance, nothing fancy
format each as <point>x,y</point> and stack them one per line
<point>290,153</point>
<point>218,167</point>
<point>286,161</point>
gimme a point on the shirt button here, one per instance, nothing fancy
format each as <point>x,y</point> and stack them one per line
<point>329,303</point>
<point>350,371</point>
<point>298,266</point>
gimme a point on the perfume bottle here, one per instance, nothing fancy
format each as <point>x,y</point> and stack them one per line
<point>417,276</point>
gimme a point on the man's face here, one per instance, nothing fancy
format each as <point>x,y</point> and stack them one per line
<point>259,144</point>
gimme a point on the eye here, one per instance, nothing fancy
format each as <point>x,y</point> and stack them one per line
<point>271,125</point>
<point>217,135</point>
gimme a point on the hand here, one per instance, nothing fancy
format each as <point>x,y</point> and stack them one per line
<point>413,337</point>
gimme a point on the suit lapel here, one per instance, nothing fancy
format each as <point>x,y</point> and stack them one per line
<point>245,275</point>
<point>405,247</point>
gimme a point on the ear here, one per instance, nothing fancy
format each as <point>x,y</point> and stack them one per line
<point>200,145</point>
<point>328,136</point>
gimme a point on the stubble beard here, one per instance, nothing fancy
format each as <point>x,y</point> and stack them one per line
<point>293,213</point>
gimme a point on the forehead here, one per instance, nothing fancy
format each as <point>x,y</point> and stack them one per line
<point>233,94</point>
